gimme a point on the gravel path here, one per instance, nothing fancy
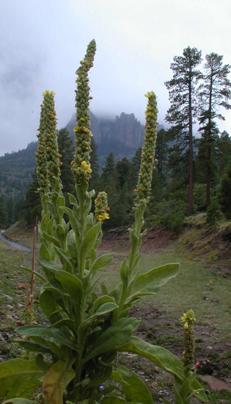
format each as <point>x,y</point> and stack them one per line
<point>13,244</point>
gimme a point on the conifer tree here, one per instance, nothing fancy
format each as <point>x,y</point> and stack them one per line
<point>223,153</point>
<point>225,193</point>
<point>182,94</point>
<point>66,151</point>
<point>94,182</point>
<point>108,174</point>
<point>32,204</point>
<point>215,93</point>
<point>3,212</point>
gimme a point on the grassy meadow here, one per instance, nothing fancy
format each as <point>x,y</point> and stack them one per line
<point>197,286</point>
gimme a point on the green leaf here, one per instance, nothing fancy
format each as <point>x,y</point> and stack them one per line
<point>91,238</point>
<point>191,387</point>
<point>101,262</point>
<point>151,280</point>
<point>44,252</point>
<point>50,300</point>
<point>124,272</point>
<point>39,344</point>
<point>55,382</point>
<point>50,333</point>
<point>17,400</point>
<point>32,347</point>
<point>71,284</point>
<point>34,272</point>
<point>160,356</point>
<point>113,337</point>
<point>72,244</point>
<point>72,199</point>
<point>52,239</point>
<point>64,258</point>
<point>51,266</point>
<point>104,304</point>
<point>19,377</point>
<point>113,400</point>
<point>133,387</point>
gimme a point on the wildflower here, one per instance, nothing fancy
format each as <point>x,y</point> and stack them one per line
<point>81,166</point>
<point>101,388</point>
<point>101,207</point>
<point>86,167</point>
<point>102,216</point>
<point>48,158</point>
<point>147,157</point>
<point>197,365</point>
<point>188,319</point>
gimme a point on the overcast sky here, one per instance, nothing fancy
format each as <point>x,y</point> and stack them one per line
<point>42,42</point>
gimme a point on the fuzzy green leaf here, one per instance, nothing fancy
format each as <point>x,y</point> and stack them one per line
<point>91,238</point>
<point>55,382</point>
<point>113,337</point>
<point>152,280</point>
<point>39,344</point>
<point>17,400</point>
<point>49,301</point>
<point>71,284</point>
<point>50,333</point>
<point>160,356</point>
<point>64,258</point>
<point>191,386</point>
<point>101,262</point>
<point>19,377</point>
<point>132,386</point>
<point>103,305</point>
<point>114,400</point>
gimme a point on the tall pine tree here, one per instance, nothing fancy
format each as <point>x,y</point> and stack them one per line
<point>215,93</point>
<point>66,151</point>
<point>182,94</point>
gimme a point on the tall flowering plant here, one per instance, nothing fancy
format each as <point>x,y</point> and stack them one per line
<point>73,352</point>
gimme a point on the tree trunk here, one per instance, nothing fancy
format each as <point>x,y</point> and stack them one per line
<point>190,154</point>
<point>209,146</point>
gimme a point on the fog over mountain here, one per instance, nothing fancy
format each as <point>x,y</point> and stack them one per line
<point>121,135</point>
<point>42,43</point>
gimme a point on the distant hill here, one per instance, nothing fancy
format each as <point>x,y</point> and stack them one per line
<point>122,136</point>
<point>16,170</point>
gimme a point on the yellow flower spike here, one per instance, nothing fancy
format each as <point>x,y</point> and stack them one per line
<point>147,156</point>
<point>86,167</point>
<point>81,167</point>
<point>188,320</point>
<point>101,207</point>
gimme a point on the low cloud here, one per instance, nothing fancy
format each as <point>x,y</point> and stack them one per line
<point>42,42</point>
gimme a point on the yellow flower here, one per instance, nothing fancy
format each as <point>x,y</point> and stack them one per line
<point>86,167</point>
<point>101,207</point>
<point>102,216</point>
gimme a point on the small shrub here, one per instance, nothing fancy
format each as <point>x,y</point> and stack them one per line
<point>225,194</point>
<point>170,215</point>
<point>213,212</point>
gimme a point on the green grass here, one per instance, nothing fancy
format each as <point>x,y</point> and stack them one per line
<point>13,285</point>
<point>20,233</point>
<point>196,287</point>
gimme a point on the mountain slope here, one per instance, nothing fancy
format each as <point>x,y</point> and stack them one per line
<point>122,136</point>
<point>16,170</point>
